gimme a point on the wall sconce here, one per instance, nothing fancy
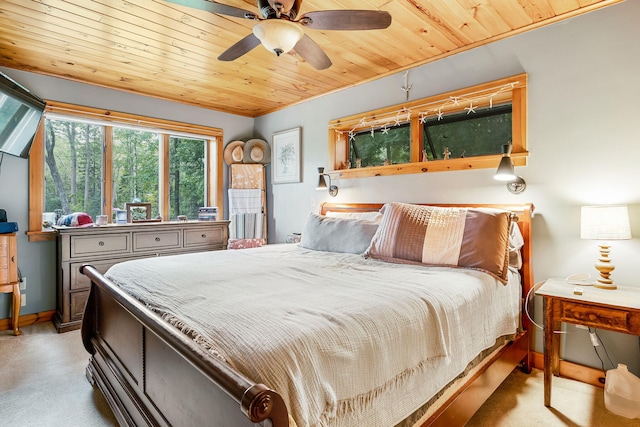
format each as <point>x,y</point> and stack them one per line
<point>322,183</point>
<point>605,223</point>
<point>506,172</point>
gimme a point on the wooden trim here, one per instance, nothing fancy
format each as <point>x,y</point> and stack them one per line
<point>164,180</point>
<point>36,187</point>
<point>216,176</point>
<point>573,371</point>
<point>117,117</point>
<point>467,163</point>
<point>28,319</point>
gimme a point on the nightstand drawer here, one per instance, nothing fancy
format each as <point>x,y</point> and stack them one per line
<point>156,240</point>
<point>596,317</point>
<point>93,245</point>
<point>204,237</point>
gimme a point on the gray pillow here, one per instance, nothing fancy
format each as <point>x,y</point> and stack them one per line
<point>337,234</point>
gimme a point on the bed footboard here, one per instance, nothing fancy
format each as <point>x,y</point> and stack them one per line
<point>151,374</point>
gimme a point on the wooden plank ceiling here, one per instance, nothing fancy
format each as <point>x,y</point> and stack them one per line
<point>160,49</point>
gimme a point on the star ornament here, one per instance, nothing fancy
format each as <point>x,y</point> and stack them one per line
<point>471,108</point>
<point>352,136</point>
<point>423,118</point>
<point>373,131</point>
<point>385,130</point>
<point>440,115</point>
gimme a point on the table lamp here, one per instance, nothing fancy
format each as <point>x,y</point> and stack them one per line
<point>605,223</point>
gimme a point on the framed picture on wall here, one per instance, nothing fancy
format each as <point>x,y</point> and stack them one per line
<point>286,156</point>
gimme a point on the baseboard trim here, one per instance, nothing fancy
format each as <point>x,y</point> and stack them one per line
<point>28,319</point>
<point>573,371</point>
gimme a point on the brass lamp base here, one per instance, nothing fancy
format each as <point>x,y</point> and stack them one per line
<point>605,267</point>
<point>610,286</point>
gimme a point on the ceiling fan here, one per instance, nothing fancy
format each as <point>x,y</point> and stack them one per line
<point>279,31</point>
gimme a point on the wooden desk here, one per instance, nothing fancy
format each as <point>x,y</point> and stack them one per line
<point>614,310</point>
<point>9,275</point>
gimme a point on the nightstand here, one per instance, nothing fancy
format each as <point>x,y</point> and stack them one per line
<point>614,310</point>
<point>9,281</point>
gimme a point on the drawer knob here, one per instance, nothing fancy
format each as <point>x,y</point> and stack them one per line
<point>204,236</point>
<point>100,243</point>
<point>157,239</point>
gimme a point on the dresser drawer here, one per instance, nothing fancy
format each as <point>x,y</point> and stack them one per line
<point>157,240</point>
<point>209,236</point>
<point>81,246</point>
<point>79,280</point>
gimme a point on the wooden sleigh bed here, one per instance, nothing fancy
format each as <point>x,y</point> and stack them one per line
<point>151,373</point>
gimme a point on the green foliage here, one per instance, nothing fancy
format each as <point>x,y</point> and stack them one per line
<point>78,172</point>
<point>468,135</point>
<point>135,168</point>
<point>186,179</point>
<point>464,134</point>
<point>73,176</point>
<point>394,145</point>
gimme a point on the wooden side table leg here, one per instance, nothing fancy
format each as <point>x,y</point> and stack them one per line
<point>15,309</point>
<point>548,348</point>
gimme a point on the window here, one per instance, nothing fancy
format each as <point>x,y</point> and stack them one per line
<point>392,145</point>
<point>87,160</point>
<point>186,168</point>
<point>458,130</point>
<point>468,135</point>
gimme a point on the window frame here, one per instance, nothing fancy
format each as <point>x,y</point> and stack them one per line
<point>213,172</point>
<point>516,94</point>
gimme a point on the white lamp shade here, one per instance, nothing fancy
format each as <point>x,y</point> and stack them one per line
<point>605,223</point>
<point>278,35</point>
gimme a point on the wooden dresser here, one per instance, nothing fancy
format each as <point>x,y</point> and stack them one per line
<point>9,281</point>
<point>107,245</point>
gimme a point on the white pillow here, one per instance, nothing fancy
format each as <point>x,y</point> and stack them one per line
<point>516,241</point>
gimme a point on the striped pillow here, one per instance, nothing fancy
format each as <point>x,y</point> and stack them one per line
<point>476,238</point>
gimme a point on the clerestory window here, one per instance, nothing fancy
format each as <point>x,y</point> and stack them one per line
<point>458,130</point>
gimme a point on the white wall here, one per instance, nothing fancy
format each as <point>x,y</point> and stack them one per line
<point>36,260</point>
<point>583,97</point>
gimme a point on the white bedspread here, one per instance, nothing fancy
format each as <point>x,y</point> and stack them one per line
<point>338,334</point>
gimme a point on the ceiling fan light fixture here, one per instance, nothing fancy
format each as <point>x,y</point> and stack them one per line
<point>278,35</point>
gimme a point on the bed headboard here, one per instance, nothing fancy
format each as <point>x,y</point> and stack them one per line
<point>524,212</point>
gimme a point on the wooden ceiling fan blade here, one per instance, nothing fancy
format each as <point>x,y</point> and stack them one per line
<point>221,9</point>
<point>312,53</point>
<point>346,19</point>
<point>240,48</point>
